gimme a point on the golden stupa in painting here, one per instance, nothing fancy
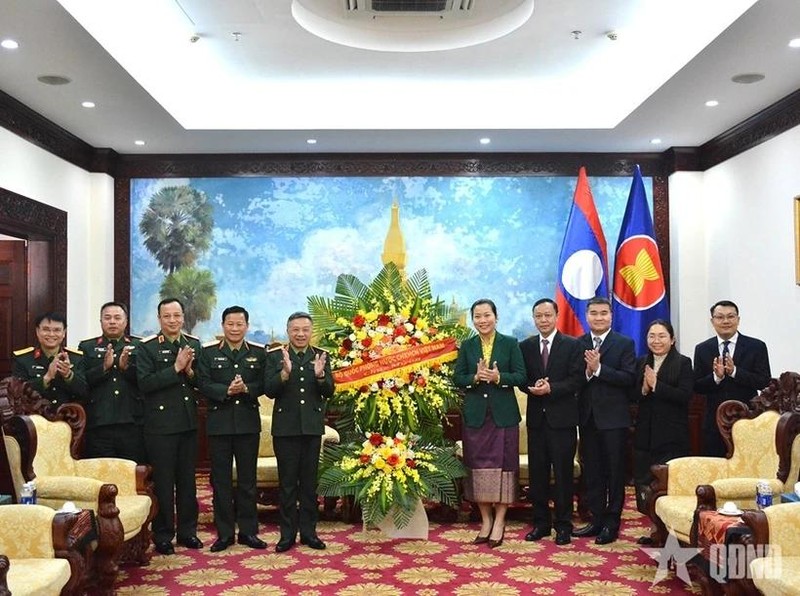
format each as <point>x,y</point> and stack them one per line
<point>394,247</point>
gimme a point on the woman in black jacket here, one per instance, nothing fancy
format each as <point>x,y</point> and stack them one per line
<point>663,388</point>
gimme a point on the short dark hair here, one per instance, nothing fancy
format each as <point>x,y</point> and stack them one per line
<point>233,310</point>
<point>480,301</point>
<point>545,301</point>
<point>56,317</point>
<point>112,303</point>
<point>664,323</point>
<point>169,301</point>
<point>299,315</point>
<point>598,300</point>
<point>727,303</point>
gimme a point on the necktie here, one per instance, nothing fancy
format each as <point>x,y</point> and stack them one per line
<point>545,353</point>
<point>301,355</point>
<point>725,349</point>
<point>598,341</point>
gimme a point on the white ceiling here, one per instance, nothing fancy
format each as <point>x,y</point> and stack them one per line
<point>534,89</point>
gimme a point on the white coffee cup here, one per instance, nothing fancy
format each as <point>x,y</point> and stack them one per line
<point>730,507</point>
<point>69,507</point>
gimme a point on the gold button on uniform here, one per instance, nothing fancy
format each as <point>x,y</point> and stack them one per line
<point>302,401</point>
<point>160,407</point>
<point>116,391</point>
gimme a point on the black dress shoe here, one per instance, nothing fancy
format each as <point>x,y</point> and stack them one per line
<point>165,548</point>
<point>221,544</point>
<point>537,534</point>
<point>189,542</point>
<point>605,536</point>
<point>586,531</point>
<point>283,545</point>
<point>252,541</point>
<point>645,540</point>
<point>313,542</point>
<point>562,537</point>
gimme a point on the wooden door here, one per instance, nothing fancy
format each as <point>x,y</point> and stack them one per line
<point>13,301</point>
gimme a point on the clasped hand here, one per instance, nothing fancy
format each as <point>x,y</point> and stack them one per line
<point>723,366</point>
<point>184,360</point>
<point>59,366</point>
<point>486,374</point>
<point>237,386</point>
<point>541,387</point>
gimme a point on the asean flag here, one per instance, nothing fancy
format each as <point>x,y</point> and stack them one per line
<point>583,263</point>
<point>640,294</point>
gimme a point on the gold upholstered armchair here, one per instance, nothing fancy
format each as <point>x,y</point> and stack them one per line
<point>777,528</point>
<point>763,444</point>
<point>37,557</point>
<point>118,491</point>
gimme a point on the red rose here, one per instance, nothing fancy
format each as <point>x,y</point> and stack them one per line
<point>347,344</point>
<point>413,341</point>
<point>421,381</point>
<point>366,342</point>
<point>364,389</point>
<point>364,459</point>
<point>342,351</point>
<point>359,320</point>
<point>365,356</point>
<point>375,439</point>
<point>399,330</point>
<point>411,463</point>
<point>395,389</point>
<point>384,320</point>
<point>393,459</point>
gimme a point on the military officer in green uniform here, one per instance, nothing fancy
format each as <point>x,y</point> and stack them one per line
<point>299,379</point>
<point>166,375</point>
<point>230,374</point>
<point>114,406</point>
<point>52,370</point>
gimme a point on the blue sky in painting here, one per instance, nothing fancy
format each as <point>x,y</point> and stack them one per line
<point>278,240</point>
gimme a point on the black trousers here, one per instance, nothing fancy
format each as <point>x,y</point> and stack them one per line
<point>551,448</point>
<point>642,476</point>
<point>173,458</point>
<point>603,454</point>
<point>116,440</point>
<point>298,462</point>
<point>234,505</point>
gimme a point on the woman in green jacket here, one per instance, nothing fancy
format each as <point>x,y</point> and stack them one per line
<point>488,367</point>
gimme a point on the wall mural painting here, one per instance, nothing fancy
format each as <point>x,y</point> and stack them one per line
<point>266,243</point>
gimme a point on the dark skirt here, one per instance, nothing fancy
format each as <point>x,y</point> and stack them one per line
<point>491,455</point>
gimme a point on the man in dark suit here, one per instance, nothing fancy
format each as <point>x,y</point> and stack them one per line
<point>298,377</point>
<point>727,366</point>
<point>231,377</point>
<point>604,420</point>
<point>114,405</point>
<point>165,371</point>
<point>554,366</point>
<point>51,369</point>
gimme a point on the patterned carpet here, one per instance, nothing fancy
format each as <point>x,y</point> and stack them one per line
<point>370,564</point>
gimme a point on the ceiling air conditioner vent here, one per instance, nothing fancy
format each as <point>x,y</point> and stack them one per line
<point>418,7</point>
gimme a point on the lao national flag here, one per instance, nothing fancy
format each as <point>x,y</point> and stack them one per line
<point>583,264</point>
<point>640,294</point>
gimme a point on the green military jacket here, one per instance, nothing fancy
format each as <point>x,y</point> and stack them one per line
<point>300,401</point>
<point>216,368</point>
<point>170,404</point>
<point>499,399</point>
<point>113,396</point>
<point>31,364</point>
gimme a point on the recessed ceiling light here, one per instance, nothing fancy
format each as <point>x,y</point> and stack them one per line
<point>747,78</point>
<point>140,143</point>
<point>9,44</point>
<point>53,79</point>
<point>795,43</point>
<point>485,141</point>
<point>311,141</point>
<point>655,141</point>
<point>712,103</point>
<point>88,104</point>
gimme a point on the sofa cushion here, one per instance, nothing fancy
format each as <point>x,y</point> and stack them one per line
<point>37,577</point>
<point>677,513</point>
<point>133,512</point>
<point>776,576</point>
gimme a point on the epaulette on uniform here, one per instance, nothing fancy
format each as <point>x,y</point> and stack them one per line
<point>133,338</point>
<point>149,338</point>
<point>94,339</point>
<point>194,337</point>
<point>212,343</point>
<point>24,351</point>
<point>75,351</point>
<point>272,348</point>
<point>318,349</point>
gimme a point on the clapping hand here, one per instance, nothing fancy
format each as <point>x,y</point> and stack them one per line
<point>649,381</point>
<point>286,364</point>
<point>541,387</point>
<point>237,386</point>
<point>124,358</point>
<point>592,359</point>
<point>184,360</point>
<point>486,374</point>
<point>319,364</point>
<point>108,357</point>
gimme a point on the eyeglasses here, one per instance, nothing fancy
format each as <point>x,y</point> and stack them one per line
<point>52,330</point>
<point>730,317</point>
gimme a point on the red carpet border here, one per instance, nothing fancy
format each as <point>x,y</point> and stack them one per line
<point>368,563</point>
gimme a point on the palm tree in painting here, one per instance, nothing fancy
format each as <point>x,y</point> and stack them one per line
<point>177,226</point>
<point>196,289</point>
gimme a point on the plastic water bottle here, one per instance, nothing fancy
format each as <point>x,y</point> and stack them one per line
<point>32,484</point>
<point>26,495</point>
<point>763,494</point>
